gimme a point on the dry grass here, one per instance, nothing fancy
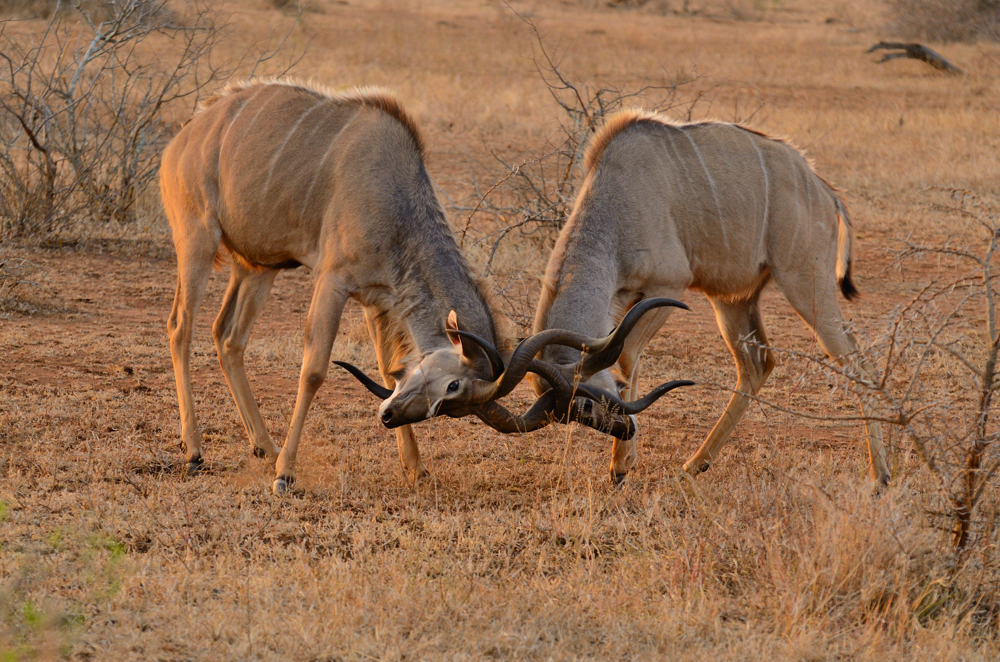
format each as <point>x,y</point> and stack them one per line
<point>946,20</point>
<point>516,549</point>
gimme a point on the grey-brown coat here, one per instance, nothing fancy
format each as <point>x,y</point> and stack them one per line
<point>273,174</point>
<point>709,206</point>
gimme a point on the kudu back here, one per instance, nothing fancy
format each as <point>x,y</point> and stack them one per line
<point>713,207</point>
<point>270,175</point>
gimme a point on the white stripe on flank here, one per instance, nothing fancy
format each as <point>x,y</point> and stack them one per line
<point>767,191</point>
<point>798,202</point>
<point>222,143</point>
<point>277,155</point>
<point>252,119</point>
<point>319,169</point>
<point>670,177</point>
<point>809,199</point>
<point>260,110</point>
<point>711,183</point>
<point>677,155</point>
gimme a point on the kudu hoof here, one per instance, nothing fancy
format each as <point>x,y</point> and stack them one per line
<point>195,466</point>
<point>618,479</point>
<point>695,469</point>
<point>418,475</point>
<point>259,452</point>
<point>282,485</point>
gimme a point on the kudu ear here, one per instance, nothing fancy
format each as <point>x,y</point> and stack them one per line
<point>470,346</point>
<point>462,345</point>
<point>451,326</point>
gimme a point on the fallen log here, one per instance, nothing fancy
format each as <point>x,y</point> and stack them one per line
<point>916,52</point>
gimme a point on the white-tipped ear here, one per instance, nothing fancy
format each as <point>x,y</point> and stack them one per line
<point>452,325</point>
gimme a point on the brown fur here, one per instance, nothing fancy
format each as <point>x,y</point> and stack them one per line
<point>710,206</point>
<point>629,117</point>
<point>371,96</point>
<point>273,174</point>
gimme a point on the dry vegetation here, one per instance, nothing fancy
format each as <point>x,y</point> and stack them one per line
<point>517,549</point>
<point>946,20</point>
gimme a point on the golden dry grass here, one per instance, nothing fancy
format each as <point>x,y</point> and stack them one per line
<point>517,548</point>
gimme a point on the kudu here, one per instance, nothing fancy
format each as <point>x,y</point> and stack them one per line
<point>713,207</point>
<point>275,174</point>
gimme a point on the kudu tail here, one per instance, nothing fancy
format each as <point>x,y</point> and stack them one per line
<point>845,235</point>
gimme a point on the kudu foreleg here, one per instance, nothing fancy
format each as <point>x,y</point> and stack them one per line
<point>625,452</point>
<point>321,329</point>
<point>386,347</point>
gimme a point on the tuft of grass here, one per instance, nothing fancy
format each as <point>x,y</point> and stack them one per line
<point>117,550</point>
<point>31,614</point>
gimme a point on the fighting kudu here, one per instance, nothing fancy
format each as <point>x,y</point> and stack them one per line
<point>271,175</point>
<point>708,206</point>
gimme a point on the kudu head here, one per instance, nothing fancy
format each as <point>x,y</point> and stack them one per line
<point>452,381</point>
<point>442,382</point>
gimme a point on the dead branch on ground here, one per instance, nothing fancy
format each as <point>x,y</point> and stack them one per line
<point>916,52</point>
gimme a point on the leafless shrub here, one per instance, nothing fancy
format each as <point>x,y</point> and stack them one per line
<point>85,107</point>
<point>534,197</point>
<point>946,20</point>
<point>938,377</point>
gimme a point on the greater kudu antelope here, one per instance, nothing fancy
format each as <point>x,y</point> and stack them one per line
<point>278,174</point>
<point>713,207</point>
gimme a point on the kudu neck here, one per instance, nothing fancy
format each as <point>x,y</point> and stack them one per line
<point>584,286</point>
<point>433,279</point>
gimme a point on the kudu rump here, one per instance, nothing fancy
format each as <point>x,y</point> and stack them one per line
<point>713,207</point>
<point>278,174</point>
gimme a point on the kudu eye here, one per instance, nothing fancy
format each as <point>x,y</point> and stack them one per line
<point>588,406</point>
<point>452,387</point>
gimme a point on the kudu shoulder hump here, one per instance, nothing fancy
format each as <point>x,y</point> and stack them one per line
<point>369,96</point>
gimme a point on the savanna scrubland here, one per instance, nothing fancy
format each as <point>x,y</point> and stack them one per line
<point>516,547</point>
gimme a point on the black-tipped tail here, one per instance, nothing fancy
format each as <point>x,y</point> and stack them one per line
<point>847,285</point>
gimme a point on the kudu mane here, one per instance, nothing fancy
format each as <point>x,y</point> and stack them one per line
<point>629,117</point>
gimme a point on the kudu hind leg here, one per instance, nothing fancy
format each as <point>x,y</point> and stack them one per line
<point>195,255</point>
<point>243,302</point>
<point>385,349</point>
<point>743,331</point>
<point>827,322</point>
<point>321,329</point>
